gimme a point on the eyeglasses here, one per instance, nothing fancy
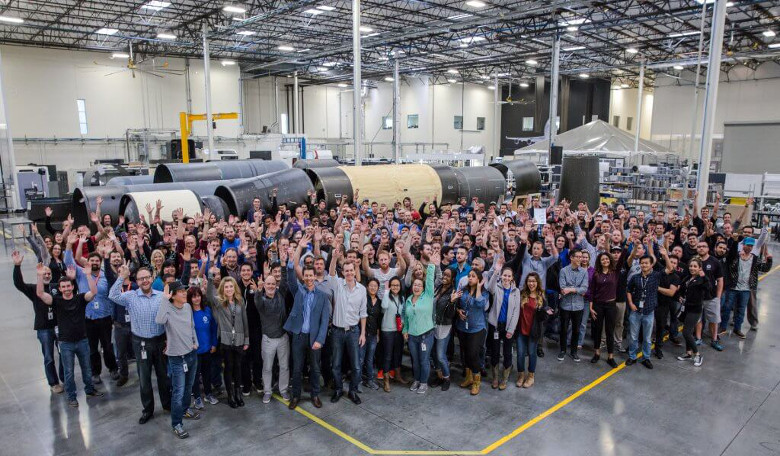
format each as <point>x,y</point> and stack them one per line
<point>143,278</point>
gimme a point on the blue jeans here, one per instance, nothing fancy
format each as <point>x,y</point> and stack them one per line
<point>440,361</point>
<point>635,320</point>
<point>181,383</point>
<point>346,339</point>
<point>420,349</point>
<point>583,325</point>
<point>69,351</point>
<point>48,340</point>
<point>367,352</point>
<point>526,347</point>
<point>738,301</point>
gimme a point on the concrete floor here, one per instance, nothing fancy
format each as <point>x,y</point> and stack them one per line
<point>729,406</point>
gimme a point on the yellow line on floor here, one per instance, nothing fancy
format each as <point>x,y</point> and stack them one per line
<point>490,448</point>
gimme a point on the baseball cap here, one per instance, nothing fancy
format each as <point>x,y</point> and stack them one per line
<point>749,241</point>
<point>175,286</point>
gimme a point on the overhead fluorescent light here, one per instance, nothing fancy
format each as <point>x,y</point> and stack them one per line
<point>502,75</point>
<point>458,17</point>
<point>303,50</point>
<point>679,67</point>
<point>531,62</point>
<point>491,87</point>
<point>120,55</point>
<point>155,5</point>
<point>342,85</point>
<point>574,48</point>
<point>330,64</point>
<point>453,71</point>
<point>12,20</point>
<point>233,9</point>
<point>486,77</point>
<point>524,84</point>
<point>681,34</point>
<point>321,69</point>
<point>574,21</point>
<point>769,33</point>
<point>730,4</point>
<point>452,81</point>
<point>572,28</point>
<point>624,86</point>
<point>313,11</point>
<point>389,79</point>
<point>584,75</point>
<point>709,2</point>
<point>166,36</point>
<point>366,29</point>
<point>246,32</point>
<point>326,8</point>
<point>106,31</point>
<point>632,50</point>
<point>239,19</point>
<point>475,4</point>
<point>472,39</point>
<point>286,48</point>
<point>371,34</point>
<point>227,62</point>
<point>774,46</point>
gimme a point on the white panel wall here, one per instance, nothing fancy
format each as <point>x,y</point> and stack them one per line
<point>623,103</point>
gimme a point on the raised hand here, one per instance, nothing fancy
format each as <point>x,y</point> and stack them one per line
<point>17,257</point>
<point>93,217</point>
<point>70,273</point>
<point>124,270</point>
<point>41,270</point>
<point>48,211</point>
<point>167,292</point>
<point>149,208</point>
<point>99,201</point>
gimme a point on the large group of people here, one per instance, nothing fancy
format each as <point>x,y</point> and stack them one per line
<point>219,308</point>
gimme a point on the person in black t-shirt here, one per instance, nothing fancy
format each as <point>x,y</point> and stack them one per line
<point>667,307</point>
<point>70,308</point>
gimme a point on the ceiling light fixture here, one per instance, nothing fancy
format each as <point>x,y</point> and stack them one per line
<point>371,34</point>
<point>11,20</point>
<point>476,4</point>
<point>682,34</point>
<point>330,64</point>
<point>574,48</point>
<point>389,79</point>
<point>769,33</point>
<point>452,81</point>
<point>524,85</point>
<point>584,75</point>
<point>106,31</point>
<point>313,11</point>
<point>531,62</point>
<point>155,5</point>
<point>774,46</point>
<point>472,39</point>
<point>459,16</point>
<point>342,85</point>
<point>491,87</point>
<point>679,67</point>
<point>326,8</point>
<point>572,28</point>
<point>453,71</point>
<point>227,62</point>
<point>120,55</point>
<point>233,9</point>
<point>624,86</point>
<point>366,29</point>
<point>632,50</point>
<point>286,48</point>
<point>246,33</point>
<point>166,36</point>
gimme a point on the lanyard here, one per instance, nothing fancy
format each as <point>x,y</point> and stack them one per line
<point>643,280</point>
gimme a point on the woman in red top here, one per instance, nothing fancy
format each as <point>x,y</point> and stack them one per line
<point>603,290</point>
<point>533,313</point>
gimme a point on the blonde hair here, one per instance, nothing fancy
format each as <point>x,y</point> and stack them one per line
<point>155,253</point>
<point>236,294</point>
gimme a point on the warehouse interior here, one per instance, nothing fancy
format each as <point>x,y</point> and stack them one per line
<point>208,104</point>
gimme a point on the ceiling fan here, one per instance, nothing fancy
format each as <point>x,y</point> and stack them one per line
<point>150,68</point>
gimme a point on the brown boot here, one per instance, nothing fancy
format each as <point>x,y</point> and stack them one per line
<point>399,378</point>
<point>529,381</point>
<point>468,380</point>
<point>494,374</point>
<point>504,378</point>
<point>520,379</point>
<point>386,381</point>
<point>475,385</point>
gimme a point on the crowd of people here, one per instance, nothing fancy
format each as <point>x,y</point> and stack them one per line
<point>219,308</point>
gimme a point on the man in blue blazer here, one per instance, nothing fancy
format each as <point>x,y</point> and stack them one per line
<point>308,327</point>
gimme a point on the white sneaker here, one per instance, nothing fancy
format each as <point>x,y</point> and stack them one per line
<point>415,386</point>
<point>422,389</point>
<point>198,403</point>
<point>57,389</point>
<point>697,360</point>
<point>266,398</point>
<point>211,399</point>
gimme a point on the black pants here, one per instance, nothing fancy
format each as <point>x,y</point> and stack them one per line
<point>495,344</point>
<point>393,346</point>
<point>689,325</point>
<point>232,358</point>
<point>661,317</point>
<point>573,317</point>
<point>203,375</point>
<point>326,353</point>
<point>606,312</point>
<point>123,339</point>
<point>472,344</point>
<point>149,355</point>
<point>252,364</point>
<point>99,331</point>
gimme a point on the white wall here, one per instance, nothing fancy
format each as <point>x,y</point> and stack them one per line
<point>623,103</point>
<point>42,85</point>
<point>743,95</point>
<point>327,113</point>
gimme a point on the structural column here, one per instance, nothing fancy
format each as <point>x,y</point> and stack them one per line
<point>357,84</point>
<point>496,119</point>
<point>556,54</point>
<point>296,110</point>
<point>207,74</point>
<point>396,113</point>
<point>710,100</point>
<point>639,105</point>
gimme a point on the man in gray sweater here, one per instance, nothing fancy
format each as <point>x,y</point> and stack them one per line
<point>275,342</point>
<point>573,280</point>
<point>176,314</point>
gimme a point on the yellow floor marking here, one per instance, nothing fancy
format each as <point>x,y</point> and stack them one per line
<point>490,448</point>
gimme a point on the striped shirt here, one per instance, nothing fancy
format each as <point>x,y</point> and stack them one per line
<point>142,309</point>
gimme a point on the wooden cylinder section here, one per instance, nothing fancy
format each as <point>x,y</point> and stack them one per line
<point>390,183</point>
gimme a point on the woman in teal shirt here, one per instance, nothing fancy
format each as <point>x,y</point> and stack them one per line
<point>473,327</point>
<point>418,326</point>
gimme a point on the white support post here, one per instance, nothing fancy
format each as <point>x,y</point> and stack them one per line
<point>357,85</point>
<point>296,109</point>
<point>496,119</point>
<point>396,113</point>
<point>639,106</point>
<point>556,60</point>
<point>207,77</point>
<point>710,100</point>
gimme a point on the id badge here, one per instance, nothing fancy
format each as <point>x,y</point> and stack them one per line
<point>96,305</point>
<point>127,318</point>
<point>233,331</point>
<point>495,335</point>
<point>143,353</point>
<point>641,304</point>
<point>185,367</point>
<point>51,315</point>
<point>56,331</point>
<point>467,325</point>
<point>423,347</point>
